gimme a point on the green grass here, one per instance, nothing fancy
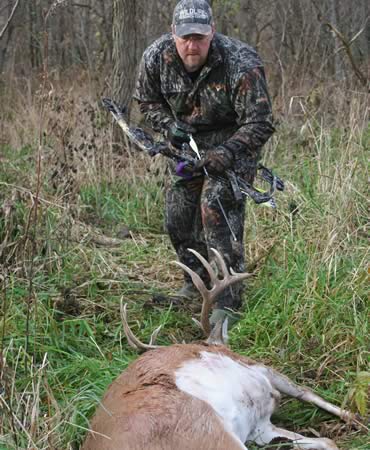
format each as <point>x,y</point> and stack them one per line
<point>305,312</point>
<point>137,205</point>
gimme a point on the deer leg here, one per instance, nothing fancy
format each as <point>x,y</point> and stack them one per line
<point>270,432</point>
<point>284,385</point>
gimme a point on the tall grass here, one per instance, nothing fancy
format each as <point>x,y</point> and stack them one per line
<point>100,237</point>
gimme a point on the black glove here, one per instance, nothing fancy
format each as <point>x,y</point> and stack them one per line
<point>216,161</point>
<point>179,133</point>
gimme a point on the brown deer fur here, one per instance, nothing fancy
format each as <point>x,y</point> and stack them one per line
<point>145,397</point>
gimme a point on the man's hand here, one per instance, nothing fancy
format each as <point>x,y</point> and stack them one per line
<point>179,134</point>
<point>216,161</point>
<point>184,170</point>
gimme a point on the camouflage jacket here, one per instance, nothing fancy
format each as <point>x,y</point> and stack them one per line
<point>228,101</point>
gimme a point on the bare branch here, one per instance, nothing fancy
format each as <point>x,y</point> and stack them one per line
<point>359,32</point>
<point>347,48</point>
<point>9,19</point>
<point>346,43</point>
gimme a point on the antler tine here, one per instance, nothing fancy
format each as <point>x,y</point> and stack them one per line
<point>132,340</point>
<point>154,335</point>
<point>218,334</point>
<point>221,263</point>
<point>204,292</point>
<point>228,278</point>
<point>211,272</point>
<point>198,282</point>
<point>218,285</point>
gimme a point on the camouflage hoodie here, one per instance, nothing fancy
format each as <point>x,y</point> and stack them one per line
<point>227,103</point>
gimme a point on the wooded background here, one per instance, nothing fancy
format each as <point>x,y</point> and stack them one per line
<point>302,42</point>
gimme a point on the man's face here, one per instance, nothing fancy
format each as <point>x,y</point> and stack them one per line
<point>193,49</point>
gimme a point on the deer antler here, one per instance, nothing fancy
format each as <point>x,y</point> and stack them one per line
<point>208,295</point>
<point>133,341</point>
<point>218,285</point>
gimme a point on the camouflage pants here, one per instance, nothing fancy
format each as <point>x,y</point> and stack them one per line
<point>195,220</point>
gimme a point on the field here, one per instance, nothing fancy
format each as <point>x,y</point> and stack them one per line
<point>81,227</point>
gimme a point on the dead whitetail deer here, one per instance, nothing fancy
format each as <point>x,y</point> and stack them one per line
<point>199,396</point>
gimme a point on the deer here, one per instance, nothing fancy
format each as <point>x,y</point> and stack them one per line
<point>201,395</point>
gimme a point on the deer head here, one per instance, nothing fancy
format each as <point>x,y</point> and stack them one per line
<point>217,335</point>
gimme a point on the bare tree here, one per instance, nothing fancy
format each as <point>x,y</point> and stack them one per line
<point>15,6</point>
<point>7,31</point>
<point>293,36</point>
<point>126,30</point>
<point>338,66</point>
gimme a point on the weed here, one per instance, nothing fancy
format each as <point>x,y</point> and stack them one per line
<point>99,237</point>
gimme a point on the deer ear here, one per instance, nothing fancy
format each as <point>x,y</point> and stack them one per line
<point>218,334</point>
<point>225,327</point>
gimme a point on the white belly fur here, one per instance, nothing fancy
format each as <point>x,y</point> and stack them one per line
<point>241,395</point>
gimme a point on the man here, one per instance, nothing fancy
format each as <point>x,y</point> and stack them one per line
<point>201,83</point>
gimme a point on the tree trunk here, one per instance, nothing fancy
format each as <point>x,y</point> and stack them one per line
<point>126,29</point>
<point>35,34</point>
<point>338,66</point>
<point>7,37</point>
